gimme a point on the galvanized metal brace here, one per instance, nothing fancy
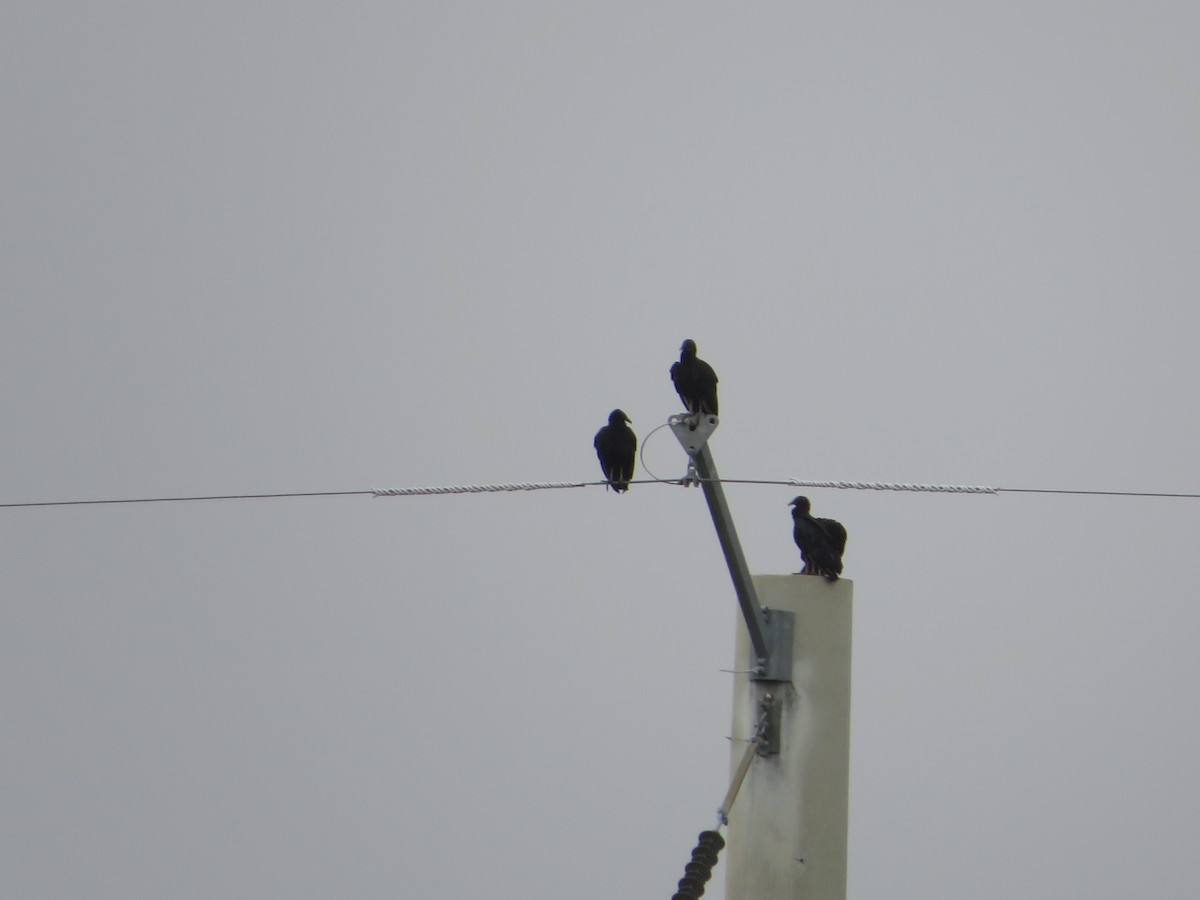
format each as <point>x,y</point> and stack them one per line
<point>771,631</point>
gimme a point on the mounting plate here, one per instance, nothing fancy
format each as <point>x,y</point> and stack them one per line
<point>778,627</point>
<point>769,729</point>
<point>693,430</point>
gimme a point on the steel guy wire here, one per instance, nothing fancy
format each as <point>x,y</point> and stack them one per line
<point>521,486</point>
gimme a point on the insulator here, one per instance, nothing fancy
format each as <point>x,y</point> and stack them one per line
<point>699,870</point>
<point>710,841</point>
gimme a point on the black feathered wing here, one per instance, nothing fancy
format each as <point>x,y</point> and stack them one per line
<point>706,388</point>
<point>836,532</point>
<point>682,384</point>
<point>616,448</point>
<point>820,546</point>
<point>696,383</point>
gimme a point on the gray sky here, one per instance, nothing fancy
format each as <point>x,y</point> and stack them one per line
<point>386,245</point>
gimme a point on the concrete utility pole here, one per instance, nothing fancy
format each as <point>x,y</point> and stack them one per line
<point>787,831</point>
<point>787,834</point>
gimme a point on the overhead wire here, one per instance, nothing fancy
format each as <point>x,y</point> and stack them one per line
<point>689,480</point>
<point>521,486</point>
<point>642,456</point>
<point>273,496</point>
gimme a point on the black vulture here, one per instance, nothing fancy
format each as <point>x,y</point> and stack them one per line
<point>695,381</point>
<point>821,541</point>
<point>616,447</point>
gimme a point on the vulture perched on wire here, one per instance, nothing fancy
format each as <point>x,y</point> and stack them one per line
<point>695,381</point>
<point>821,541</point>
<point>616,447</point>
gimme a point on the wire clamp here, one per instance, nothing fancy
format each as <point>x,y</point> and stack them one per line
<point>691,478</point>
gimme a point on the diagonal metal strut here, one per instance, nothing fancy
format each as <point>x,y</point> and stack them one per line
<point>770,630</point>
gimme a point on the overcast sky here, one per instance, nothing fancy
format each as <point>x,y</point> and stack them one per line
<point>269,248</point>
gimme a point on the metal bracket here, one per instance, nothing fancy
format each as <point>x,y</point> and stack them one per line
<point>778,630</point>
<point>693,430</point>
<point>769,725</point>
<point>770,631</point>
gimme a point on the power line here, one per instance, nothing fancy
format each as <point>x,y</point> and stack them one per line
<point>966,489</point>
<point>880,486</point>
<point>521,486</point>
<point>1096,493</point>
<point>183,499</point>
<point>511,486</point>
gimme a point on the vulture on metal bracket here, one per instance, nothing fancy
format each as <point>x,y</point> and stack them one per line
<point>695,381</point>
